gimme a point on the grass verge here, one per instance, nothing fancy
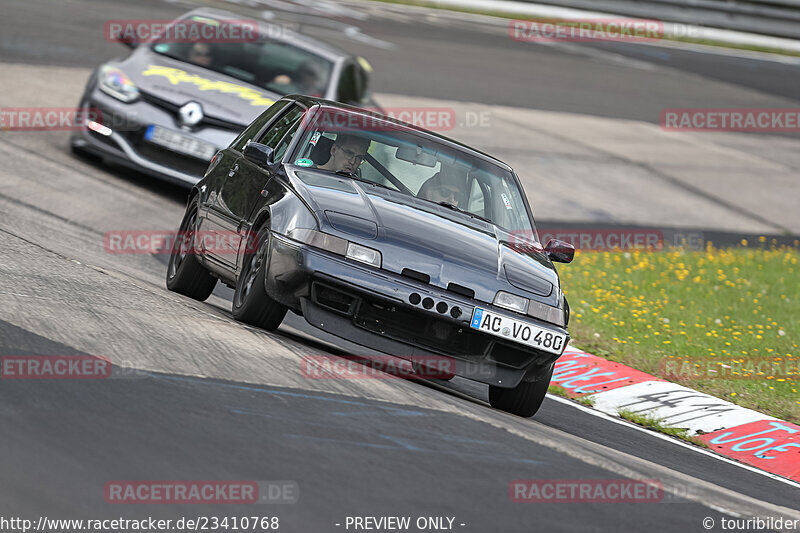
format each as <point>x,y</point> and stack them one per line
<point>656,424</point>
<point>718,309</point>
<point>561,391</point>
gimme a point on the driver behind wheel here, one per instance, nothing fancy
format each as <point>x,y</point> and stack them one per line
<point>347,153</point>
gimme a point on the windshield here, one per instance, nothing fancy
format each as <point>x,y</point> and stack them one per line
<point>273,65</point>
<point>415,164</point>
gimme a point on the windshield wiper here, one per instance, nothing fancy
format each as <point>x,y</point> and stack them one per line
<point>356,177</point>
<point>454,207</point>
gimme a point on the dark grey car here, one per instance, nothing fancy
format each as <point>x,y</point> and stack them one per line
<point>367,251</point>
<point>168,107</point>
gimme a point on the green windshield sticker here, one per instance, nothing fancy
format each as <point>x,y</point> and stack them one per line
<point>304,162</point>
<point>212,22</point>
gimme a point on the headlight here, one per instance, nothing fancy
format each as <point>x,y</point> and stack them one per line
<point>364,254</point>
<point>511,301</point>
<point>317,239</point>
<point>116,83</point>
<point>336,245</point>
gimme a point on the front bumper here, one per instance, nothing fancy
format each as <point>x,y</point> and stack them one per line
<point>374,308</point>
<point>126,144</point>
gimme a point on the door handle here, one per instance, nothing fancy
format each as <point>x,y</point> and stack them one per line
<point>233,170</point>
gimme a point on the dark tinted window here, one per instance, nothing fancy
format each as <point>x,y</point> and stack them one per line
<point>278,130</point>
<point>348,91</point>
<point>273,65</point>
<point>286,141</point>
<point>363,83</point>
<point>252,130</point>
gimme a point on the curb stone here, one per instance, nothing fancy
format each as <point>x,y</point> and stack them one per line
<point>742,434</point>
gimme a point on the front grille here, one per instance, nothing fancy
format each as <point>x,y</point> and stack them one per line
<point>103,139</point>
<point>418,328</point>
<point>406,325</point>
<point>174,160</point>
<point>207,120</point>
<point>332,298</point>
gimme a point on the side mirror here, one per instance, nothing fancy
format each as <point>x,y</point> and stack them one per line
<point>260,154</point>
<point>559,251</point>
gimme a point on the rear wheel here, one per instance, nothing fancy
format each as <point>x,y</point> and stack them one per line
<point>185,274</point>
<point>524,400</point>
<point>251,303</point>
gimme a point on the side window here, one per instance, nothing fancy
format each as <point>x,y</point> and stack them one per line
<point>286,141</point>
<point>348,92</point>
<point>252,130</point>
<point>276,132</point>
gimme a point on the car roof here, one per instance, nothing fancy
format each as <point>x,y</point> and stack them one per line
<point>310,101</point>
<point>277,32</point>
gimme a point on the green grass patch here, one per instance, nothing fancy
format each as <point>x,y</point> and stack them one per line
<point>561,391</point>
<point>718,307</point>
<point>656,424</point>
<point>514,16</point>
<point>588,401</point>
<point>558,391</point>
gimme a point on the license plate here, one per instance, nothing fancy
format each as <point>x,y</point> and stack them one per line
<point>511,329</point>
<point>178,142</point>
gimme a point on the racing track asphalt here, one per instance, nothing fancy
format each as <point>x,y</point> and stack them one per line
<point>215,400</point>
<point>454,57</point>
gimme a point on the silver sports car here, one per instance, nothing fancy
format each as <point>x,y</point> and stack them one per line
<point>171,104</point>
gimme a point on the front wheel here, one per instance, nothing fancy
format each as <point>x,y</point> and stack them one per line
<point>185,274</point>
<point>524,400</point>
<point>251,303</point>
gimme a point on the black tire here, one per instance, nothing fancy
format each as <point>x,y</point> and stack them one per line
<point>524,400</point>
<point>185,275</point>
<point>251,303</point>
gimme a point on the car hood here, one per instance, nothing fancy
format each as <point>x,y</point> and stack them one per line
<point>178,83</point>
<point>418,235</point>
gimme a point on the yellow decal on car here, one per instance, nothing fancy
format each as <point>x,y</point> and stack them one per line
<point>364,64</point>
<point>176,76</point>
